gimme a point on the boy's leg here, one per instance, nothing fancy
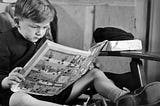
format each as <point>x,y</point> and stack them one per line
<point>102,84</point>
<point>23,99</point>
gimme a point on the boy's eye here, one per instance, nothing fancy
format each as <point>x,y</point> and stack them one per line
<point>39,27</point>
<point>33,27</point>
<point>46,27</point>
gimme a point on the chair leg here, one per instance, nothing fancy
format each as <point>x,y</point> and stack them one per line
<point>137,71</point>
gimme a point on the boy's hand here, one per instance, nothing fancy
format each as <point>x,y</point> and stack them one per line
<point>13,78</point>
<point>95,64</point>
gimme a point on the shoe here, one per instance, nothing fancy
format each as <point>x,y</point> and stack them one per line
<point>148,95</point>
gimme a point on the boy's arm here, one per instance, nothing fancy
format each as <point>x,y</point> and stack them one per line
<point>4,61</point>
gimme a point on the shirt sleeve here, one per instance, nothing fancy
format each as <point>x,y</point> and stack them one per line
<point>4,60</point>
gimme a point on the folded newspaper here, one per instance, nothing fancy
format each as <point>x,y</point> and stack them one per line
<point>9,1</point>
<point>54,67</point>
<point>122,45</point>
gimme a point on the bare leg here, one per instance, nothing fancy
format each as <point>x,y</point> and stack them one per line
<point>23,99</point>
<point>102,84</point>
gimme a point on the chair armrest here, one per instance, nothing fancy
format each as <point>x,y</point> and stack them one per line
<point>134,54</point>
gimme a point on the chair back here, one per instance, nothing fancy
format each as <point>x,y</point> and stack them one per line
<point>6,22</point>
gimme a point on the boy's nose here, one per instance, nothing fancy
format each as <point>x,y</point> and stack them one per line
<point>39,32</point>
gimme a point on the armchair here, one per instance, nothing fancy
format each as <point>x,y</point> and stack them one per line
<point>134,79</point>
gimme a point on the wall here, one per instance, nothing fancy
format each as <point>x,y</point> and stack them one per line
<point>70,25</point>
<point>2,7</point>
<point>153,67</point>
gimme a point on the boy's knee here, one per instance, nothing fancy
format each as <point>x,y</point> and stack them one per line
<point>18,98</point>
<point>97,73</point>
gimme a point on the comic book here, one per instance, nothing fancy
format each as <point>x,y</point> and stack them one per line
<point>54,67</point>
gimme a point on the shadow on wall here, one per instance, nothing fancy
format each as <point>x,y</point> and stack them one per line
<point>70,31</point>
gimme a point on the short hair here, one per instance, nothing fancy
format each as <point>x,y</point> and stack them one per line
<point>36,10</point>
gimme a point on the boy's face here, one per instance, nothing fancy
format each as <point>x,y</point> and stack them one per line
<point>32,31</point>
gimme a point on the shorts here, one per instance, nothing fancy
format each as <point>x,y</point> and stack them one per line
<point>59,99</point>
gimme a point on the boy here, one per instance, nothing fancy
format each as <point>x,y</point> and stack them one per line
<point>19,44</point>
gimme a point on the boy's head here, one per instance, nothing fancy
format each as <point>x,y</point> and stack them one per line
<point>36,10</point>
<point>33,18</point>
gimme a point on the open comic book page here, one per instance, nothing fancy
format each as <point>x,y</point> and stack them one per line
<point>53,68</point>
